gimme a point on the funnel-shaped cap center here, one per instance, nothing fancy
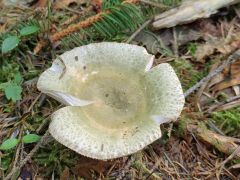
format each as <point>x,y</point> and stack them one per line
<point>118,95</point>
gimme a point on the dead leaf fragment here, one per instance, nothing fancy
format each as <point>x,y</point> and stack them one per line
<point>86,165</point>
<point>65,174</point>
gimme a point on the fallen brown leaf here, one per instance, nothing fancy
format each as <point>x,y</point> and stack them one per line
<point>40,4</point>
<point>224,144</point>
<point>65,174</point>
<point>86,165</point>
<point>226,84</point>
<point>231,77</point>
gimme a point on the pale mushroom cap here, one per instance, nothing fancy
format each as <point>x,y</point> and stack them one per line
<point>117,101</point>
<point>92,139</point>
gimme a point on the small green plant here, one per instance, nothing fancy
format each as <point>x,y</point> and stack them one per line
<point>29,30</point>
<point>12,142</point>
<point>30,138</point>
<point>9,144</point>
<point>11,42</point>
<point>12,88</point>
<point>228,121</point>
<point>192,48</point>
<point>54,157</point>
<point>188,74</point>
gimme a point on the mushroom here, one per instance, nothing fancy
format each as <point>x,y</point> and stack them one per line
<point>115,101</point>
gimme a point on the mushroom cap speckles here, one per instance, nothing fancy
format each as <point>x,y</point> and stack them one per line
<point>115,101</point>
<point>71,127</point>
<point>167,98</point>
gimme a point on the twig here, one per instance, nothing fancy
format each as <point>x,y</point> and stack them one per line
<point>29,156</point>
<point>129,162</point>
<point>215,106</point>
<point>9,119</point>
<point>18,150</point>
<point>237,151</point>
<point>175,42</point>
<point>42,125</point>
<point>174,167</point>
<point>230,157</point>
<point>153,170</point>
<point>216,129</point>
<point>34,102</point>
<point>74,17</point>
<point>231,59</point>
<point>138,30</point>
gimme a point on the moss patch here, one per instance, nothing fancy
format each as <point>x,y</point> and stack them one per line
<point>228,121</point>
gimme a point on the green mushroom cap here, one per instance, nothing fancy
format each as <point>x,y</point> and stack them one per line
<point>114,100</point>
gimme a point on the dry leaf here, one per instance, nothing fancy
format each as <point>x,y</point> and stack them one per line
<point>86,165</point>
<point>228,83</point>
<point>41,4</point>
<point>217,44</point>
<point>231,77</point>
<point>155,41</point>
<point>97,4</point>
<point>65,174</point>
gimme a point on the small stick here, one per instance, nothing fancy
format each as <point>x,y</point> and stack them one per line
<point>175,42</point>
<point>237,151</point>
<point>29,156</point>
<point>231,59</point>
<point>76,16</point>
<point>34,102</point>
<point>138,30</point>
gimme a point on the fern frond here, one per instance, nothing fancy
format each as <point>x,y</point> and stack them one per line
<point>118,17</point>
<point>106,4</point>
<point>121,18</point>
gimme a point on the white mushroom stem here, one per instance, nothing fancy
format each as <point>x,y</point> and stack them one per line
<point>189,11</point>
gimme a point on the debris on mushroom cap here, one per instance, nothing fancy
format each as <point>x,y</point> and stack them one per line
<point>115,100</point>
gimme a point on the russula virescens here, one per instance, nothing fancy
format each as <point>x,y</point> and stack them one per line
<point>115,100</point>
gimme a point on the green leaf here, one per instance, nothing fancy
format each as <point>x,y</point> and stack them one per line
<point>18,78</point>
<point>13,91</point>
<point>30,138</point>
<point>10,43</point>
<point>9,144</point>
<point>28,30</point>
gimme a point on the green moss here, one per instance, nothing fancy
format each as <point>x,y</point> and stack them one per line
<point>188,74</point>
<point>192,48</point>
<point>54,157</point>
<point>180,131</point>
<point>228,121</point>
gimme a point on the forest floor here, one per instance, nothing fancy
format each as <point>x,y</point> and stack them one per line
<point>203,144</point>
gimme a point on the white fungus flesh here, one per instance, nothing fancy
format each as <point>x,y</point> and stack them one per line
<point>115,102</point>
